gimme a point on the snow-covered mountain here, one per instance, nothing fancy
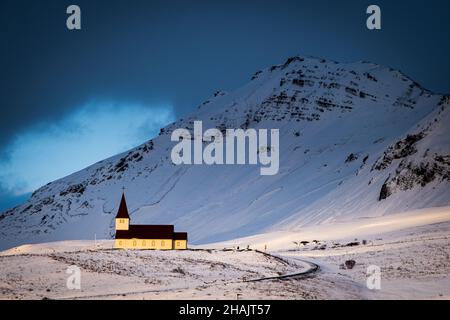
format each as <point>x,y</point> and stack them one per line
<point>356,140</point>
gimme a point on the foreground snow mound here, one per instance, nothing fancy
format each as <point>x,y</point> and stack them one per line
<point>148,274</point>
<point>356,140</point>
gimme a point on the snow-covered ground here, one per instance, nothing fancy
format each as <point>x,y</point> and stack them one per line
<point>342,231</point>
<point>415,263</point>
<point>39,271</point>
<point>412,250</point>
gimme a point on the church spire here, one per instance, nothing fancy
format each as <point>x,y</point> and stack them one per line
<point>122,213</point>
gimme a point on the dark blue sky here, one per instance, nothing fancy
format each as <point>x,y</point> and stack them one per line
<point>160,59</point>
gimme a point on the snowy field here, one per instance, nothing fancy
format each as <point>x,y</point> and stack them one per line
<point>412,251</point>
<point>39,271</point>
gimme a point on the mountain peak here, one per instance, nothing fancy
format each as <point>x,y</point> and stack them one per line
<point>326,111</point>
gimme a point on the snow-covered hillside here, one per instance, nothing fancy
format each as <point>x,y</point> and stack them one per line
<point>356,140</point>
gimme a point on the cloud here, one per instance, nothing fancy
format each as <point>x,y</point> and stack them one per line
<point>95,131</point>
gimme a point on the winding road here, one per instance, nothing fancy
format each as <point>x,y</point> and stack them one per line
<point>309,269</point>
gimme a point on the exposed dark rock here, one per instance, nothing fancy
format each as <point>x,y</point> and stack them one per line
<point>122,165</point>
<point>351,157</point>
<point>365,159</point>
<point>74,189</point>
<point>352,91</point>
<point>384,192</point>
<point>47,201</point>
<point>303,83</point>
<point>370,77</point>
<point>255,76</point>
<point>349,264</point>
<point>399,150</point>
<point>292,59</point>
<point>273,68</point>
<point>410,174</point>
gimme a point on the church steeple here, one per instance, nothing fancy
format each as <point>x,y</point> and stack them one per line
<point>122,213</point>
<point>122,217</point>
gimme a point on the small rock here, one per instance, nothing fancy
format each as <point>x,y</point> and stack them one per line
<point>349,264</point>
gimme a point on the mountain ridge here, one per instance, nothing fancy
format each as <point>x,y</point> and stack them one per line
<point>336,121</point>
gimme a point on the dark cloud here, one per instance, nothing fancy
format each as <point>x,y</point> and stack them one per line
<point>149,51</point>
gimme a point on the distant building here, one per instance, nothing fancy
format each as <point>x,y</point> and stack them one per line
<point>160,237</point>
